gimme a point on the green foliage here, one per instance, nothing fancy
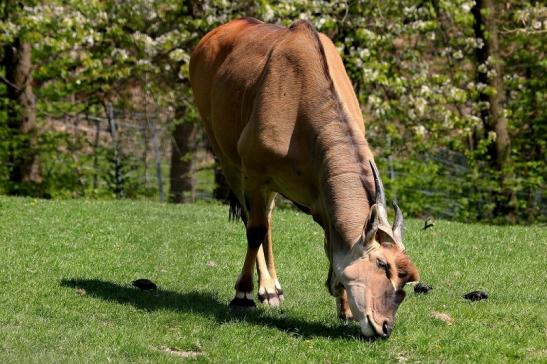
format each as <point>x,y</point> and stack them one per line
<point>412,64</point>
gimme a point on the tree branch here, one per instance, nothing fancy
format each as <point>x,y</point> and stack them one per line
<point>523,30</point>
<point>9,83</point>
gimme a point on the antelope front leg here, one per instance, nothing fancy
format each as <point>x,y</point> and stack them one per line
<point>342,307</point>
<point>339,293</point>
<point>269,289</point>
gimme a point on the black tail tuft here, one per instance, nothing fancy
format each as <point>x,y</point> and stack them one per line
<point>235,212</point>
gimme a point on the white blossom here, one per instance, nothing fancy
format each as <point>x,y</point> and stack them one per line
<point>321,22</point>
<point>177,55</point>
<point>119,54</point>
<point>412,114</point>
<point>147,41</point>
<point>420,130</point>
<point>370,74</point>
<point>421,105</point>
<point>88,40</point>
<point>475,120</point>
<point>269,14</point>
<point>365,53</point>
<point>374,100</point>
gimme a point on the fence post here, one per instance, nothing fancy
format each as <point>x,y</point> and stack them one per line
<point>144,132</point>
<point>95,156</point>
<point>157,154</point>
<point>118,177</point>
<point>73,148</point>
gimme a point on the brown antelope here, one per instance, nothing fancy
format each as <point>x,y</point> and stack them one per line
<point>282,117</point>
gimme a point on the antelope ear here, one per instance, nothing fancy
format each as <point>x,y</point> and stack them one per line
<point>371,227</point>
<point>385,233</point>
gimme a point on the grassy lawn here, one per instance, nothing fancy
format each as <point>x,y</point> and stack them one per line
<point>66,268</point>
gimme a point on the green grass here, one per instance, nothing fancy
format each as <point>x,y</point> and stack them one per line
<point>65,293</point>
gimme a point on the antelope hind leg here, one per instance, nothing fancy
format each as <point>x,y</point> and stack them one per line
<point>258,207</point>
<point>244,284</point>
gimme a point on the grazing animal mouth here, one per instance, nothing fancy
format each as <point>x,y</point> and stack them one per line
<point>378,331</point>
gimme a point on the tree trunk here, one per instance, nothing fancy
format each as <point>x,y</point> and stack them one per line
<point>24,168</point>
<point>183,147</point>
<point>489,73</point>
<point>489,55</point>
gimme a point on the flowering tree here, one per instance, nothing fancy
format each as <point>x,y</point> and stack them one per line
<point>452,91</point>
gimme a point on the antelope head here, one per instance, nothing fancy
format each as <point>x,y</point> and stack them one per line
<point>376,269</point>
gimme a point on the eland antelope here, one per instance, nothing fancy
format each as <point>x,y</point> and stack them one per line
<point>282,117</point>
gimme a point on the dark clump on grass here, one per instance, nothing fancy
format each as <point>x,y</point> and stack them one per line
<point>428,223</point>
<point>476,296</point>
<point>206,304</point>
<point>422,288</point>
<point>144,284</point>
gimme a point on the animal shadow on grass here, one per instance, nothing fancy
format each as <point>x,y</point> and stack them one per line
<point>206,304</point>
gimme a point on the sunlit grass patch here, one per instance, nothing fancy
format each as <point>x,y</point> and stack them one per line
<point>67,268</point>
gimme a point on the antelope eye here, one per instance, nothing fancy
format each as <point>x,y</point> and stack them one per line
<point>402,273</point>
<point>382,264</point>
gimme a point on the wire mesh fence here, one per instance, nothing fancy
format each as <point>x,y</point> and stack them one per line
<point>128,154</point>
<point>119,153</point>
<point>451,187</point>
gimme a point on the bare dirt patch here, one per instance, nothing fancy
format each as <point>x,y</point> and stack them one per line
<point>179,352</point>
<point>443,317</point>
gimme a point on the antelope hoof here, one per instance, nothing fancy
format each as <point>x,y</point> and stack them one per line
<point>343,310</point>
<point>345,316</point>
<point>271,296</point>
<point>243,301</point>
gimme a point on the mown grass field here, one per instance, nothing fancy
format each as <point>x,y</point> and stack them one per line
<point>66,268</point>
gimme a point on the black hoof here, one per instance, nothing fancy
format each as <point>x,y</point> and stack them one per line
<point>242,303</point>
<point>267,296</point>
<point>346,318</point>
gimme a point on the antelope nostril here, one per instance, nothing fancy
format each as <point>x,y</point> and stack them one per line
<point>386,327</point>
